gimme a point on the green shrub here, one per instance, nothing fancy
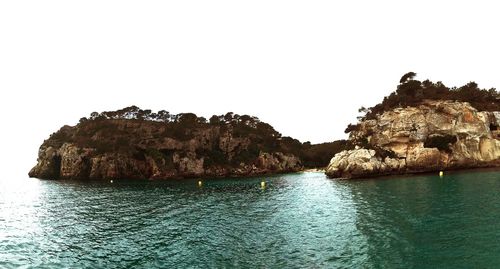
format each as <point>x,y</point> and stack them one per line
<point>411,92</point>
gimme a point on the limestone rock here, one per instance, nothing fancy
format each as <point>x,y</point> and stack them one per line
<point>406,133</point>
<point>154,155</point>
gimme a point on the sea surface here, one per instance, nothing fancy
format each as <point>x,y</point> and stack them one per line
<point>302,220</point>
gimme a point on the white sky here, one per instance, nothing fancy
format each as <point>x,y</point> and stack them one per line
<point>305,67</point>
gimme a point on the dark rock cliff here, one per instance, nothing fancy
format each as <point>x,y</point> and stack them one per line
<point>137,144</point>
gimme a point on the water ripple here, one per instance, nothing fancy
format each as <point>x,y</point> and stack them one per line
<point>298,221</point>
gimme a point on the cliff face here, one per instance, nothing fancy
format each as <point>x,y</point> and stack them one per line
<point>436,135</point>
<point>121,148</point>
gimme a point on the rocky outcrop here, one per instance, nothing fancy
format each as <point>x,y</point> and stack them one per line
<point>132,149</point>
<point>436,135</point>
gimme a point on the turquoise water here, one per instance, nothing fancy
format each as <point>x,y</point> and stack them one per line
<point>297,221</point>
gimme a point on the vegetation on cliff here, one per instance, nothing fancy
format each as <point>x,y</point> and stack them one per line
<point>97,131</point>
<point>319,155</point>
<point>423,126</point>
<point>411,92</point>
<point>140,143</point>
<point>437,135</point>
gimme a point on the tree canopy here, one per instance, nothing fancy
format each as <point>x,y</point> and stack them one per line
<point>98,131</point>
<point>411,92</point>
<point>407,76</point>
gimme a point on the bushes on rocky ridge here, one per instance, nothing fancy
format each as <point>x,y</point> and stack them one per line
<point>135,132</point>
<point>319,155</point>
<point>411,92</point>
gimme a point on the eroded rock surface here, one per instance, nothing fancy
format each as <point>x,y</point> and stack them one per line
<point>437,135</point>
<point>132,149</point>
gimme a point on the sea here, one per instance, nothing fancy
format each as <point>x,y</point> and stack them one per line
<point>298,220</point>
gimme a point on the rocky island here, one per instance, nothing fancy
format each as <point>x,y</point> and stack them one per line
<point>423,127</point>
<point>132,143</point>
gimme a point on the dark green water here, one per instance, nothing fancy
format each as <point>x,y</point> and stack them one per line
<point>297,221</point>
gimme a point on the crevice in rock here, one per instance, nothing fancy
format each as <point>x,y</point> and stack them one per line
<point>57,166</point>
<point>86,167</point>
<point>441,142</point>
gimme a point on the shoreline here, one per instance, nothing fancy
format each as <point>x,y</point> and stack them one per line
<point>174,178</point>
<point>307,170</point>
<point>415,174</point>
<point>314,170</point>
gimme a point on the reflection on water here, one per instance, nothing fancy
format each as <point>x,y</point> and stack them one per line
<point>295,220</point>
<point>429,222</point>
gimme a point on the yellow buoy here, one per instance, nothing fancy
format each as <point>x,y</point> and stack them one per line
<point>111,181</point>
<point>441,173</point>
<point>263,184</point>
<point>200,183</point>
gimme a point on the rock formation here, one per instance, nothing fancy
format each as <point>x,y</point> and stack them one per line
<point>435,135</point>
<point>112,146</point>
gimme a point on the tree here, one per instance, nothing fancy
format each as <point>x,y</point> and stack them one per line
<point>407,76</point>
<point>247,120</point>
<point>412,92</point>
<point>351,127</point>
<point>493,92</point>
<point>214,120</point>
<point>202,120</point>
<point>163,115</point>
<point>144,114</point>
<point>128,112</point>
<point>228,117</point>
<point>187,119</point>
